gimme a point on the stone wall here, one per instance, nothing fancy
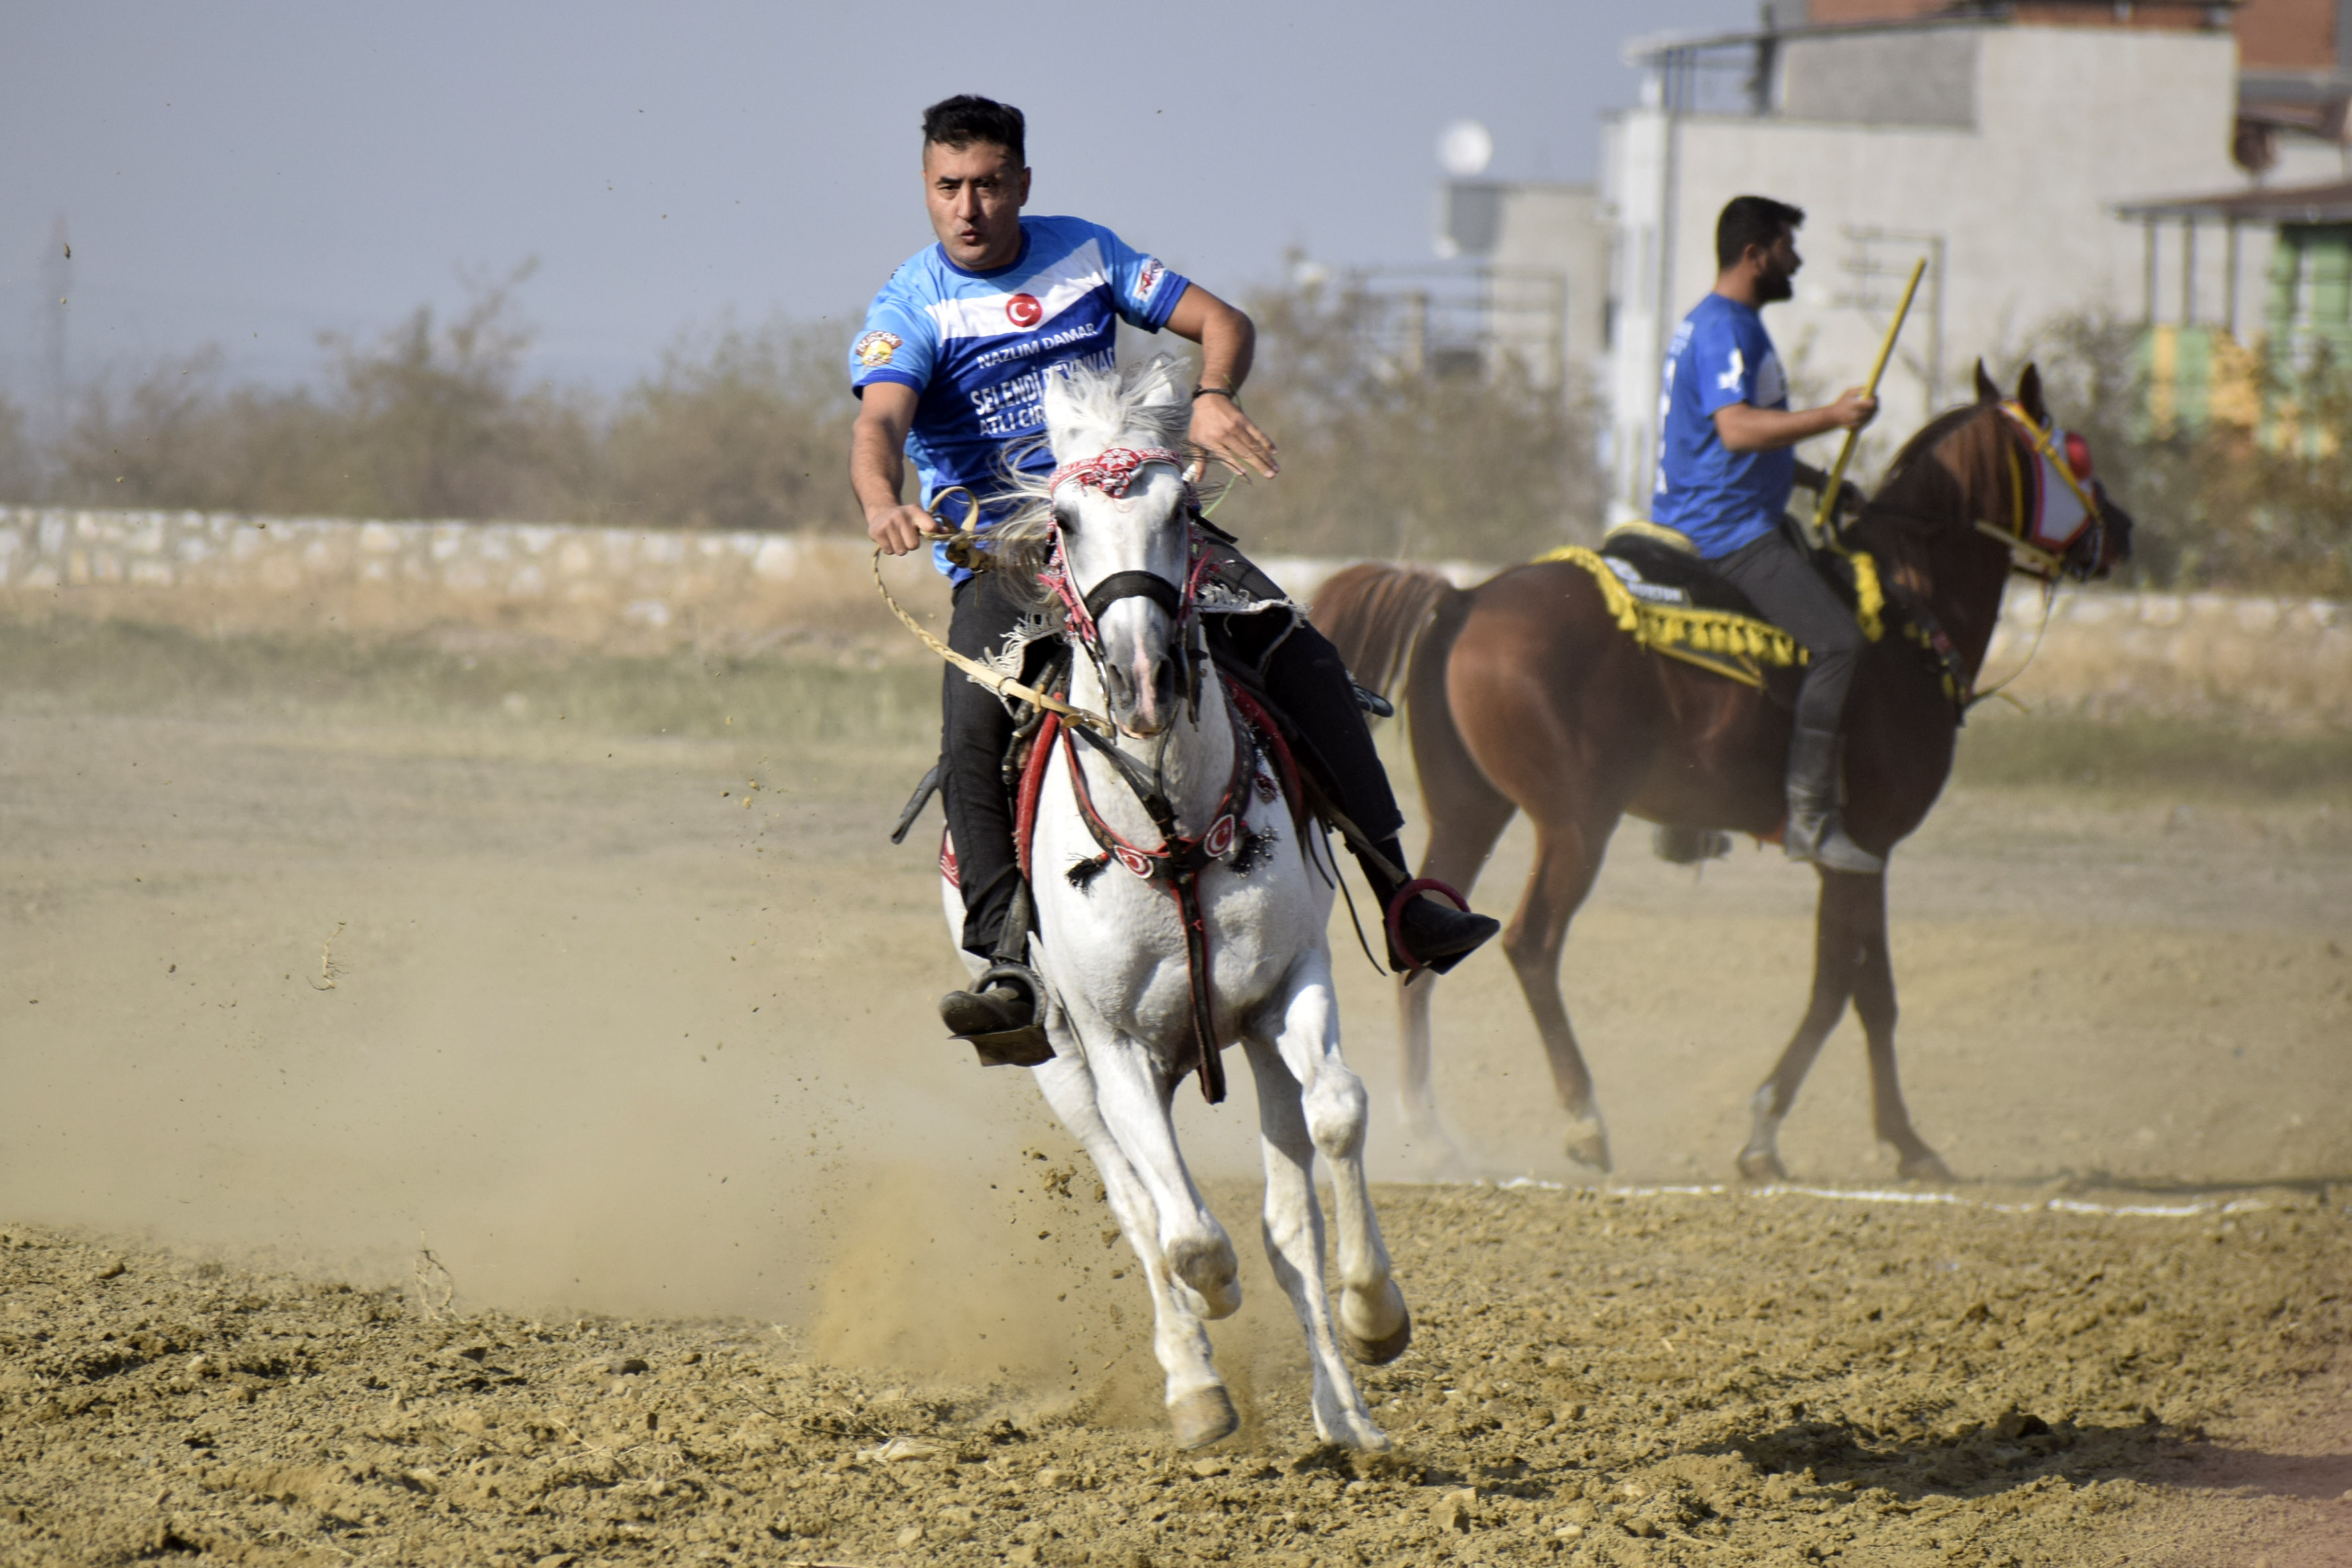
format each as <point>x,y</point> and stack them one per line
<point>2279,658</point>
<point>598,585</point>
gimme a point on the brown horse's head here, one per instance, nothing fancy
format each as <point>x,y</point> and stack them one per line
<point>2102,538</point>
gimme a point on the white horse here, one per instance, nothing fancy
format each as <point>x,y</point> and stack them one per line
<point>1111,949</point>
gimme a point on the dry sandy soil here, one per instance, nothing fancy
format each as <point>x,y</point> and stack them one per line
<point>480,1107</point>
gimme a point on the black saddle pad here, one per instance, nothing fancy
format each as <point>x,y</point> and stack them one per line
<point>1671,575</point>
<point>1666,569</point>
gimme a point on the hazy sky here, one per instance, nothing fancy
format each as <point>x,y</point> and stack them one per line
<point>251,174</point>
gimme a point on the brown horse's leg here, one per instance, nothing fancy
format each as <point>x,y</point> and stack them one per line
<point>1465,817</point>
<point>1873,1002</point>
<point>1568,856</point>
<point>1466,814</point>
<point>1851,909</point>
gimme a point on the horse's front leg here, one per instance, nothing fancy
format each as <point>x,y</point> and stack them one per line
<point>1841,932</point>
<point>1199,1408</point>
<point>1309,1101</point>
<point>1874,1003</point>
<point>1135,1100</point>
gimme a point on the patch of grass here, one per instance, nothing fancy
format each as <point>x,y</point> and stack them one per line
<point>120,666</point>
<point>2154,756</point>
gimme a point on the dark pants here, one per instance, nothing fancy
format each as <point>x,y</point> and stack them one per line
<point>1300,672</point>
<point>1788,592</point>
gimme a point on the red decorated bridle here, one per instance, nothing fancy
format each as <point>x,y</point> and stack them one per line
<point>1113,471</point>
<point>1175,864</point>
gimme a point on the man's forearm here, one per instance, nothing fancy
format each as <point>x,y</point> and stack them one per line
<point>1228,343</point>
<point>878,469</point>
<point>1746,429</point>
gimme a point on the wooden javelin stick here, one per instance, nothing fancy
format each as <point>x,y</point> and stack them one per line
<point>1828,507</point>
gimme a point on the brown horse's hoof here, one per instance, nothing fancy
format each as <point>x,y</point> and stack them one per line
<point>1382,1350</point>
<point>1923,1165</point>
<point>1205,1416</point>
<point>1587,1142</point>
<point>1761,1165</point>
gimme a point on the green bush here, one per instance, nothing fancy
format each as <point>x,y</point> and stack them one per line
<point>739,429</point>
<point>2252,490</point>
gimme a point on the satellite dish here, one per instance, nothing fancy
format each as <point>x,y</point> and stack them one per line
<point>1464,149</point>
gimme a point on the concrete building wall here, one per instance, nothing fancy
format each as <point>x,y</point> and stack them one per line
<point>2016,207</point>
<point>1544,248</point>
<point>1549,226</point>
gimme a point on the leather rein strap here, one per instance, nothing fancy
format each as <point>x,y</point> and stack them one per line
<point>1175,867</point>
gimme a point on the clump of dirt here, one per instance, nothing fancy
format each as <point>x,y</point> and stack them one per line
<point>1605,1378</point>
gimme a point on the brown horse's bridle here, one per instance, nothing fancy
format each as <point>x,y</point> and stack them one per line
<point>2053,451</point>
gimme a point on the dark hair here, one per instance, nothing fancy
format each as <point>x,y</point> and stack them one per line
<point>961,121</point>
<point>1751,220</point>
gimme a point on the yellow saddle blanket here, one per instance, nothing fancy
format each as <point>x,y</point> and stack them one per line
<point>1663,619</point>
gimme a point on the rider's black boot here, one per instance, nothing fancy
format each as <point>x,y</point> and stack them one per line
<point>1814,832</point>
<point>1005,1004</point>
<point>1001,1013</point>
<point>1423,934</point>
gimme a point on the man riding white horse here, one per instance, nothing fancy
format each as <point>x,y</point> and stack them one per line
<point>1725,473</point>
<point>948,370</point>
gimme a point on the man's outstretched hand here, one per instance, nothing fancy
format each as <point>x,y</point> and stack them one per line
<point>1222,431</point>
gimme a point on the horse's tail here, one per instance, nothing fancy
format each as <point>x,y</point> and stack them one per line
<point>1376,614</point>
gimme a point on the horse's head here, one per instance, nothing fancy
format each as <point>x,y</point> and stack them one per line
<point>1121,519</point>
<point>2058,512</point>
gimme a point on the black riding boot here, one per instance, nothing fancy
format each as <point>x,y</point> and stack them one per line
<point>1423,934</point>
<point>1814,832</point>
<point>999,1013</point>
<point>1306,679</point>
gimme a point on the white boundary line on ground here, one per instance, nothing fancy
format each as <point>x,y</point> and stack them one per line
<point>2199,1209</point>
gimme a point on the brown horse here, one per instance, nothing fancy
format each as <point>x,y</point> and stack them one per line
<point>1524,695</point>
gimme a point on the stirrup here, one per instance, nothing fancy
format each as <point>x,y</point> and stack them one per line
<point>1394,924</point>
<point>1024,1045</point>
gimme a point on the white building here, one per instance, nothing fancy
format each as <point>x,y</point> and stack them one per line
<point>1999,149</point>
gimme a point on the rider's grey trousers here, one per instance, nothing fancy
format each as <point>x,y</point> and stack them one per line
<point>1788,592</point>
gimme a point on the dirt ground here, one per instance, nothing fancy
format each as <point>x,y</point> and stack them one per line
<point>399,1051</point>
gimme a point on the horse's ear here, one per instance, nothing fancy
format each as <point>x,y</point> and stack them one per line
<point>2029,396</point>
<point>1055,396</point>
<point>1988,391</point>
<point>1162,384</point>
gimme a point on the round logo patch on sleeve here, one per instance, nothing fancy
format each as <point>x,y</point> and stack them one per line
<point>875,349</point>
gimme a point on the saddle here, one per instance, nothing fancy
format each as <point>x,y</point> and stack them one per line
<point>1673,604</point>
<point>1264,766</point>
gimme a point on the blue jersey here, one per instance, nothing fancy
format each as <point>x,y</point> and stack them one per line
<point>975,345</point>
<point>1719,499</point>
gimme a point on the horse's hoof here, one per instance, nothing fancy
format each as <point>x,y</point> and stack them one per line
<point>1203,1417</point>
<point>1382,1350</point>
<point>1761,1165</point>
<point>1355,1432</point>
<point>1588,1142</point>
<point>1922,1165</point>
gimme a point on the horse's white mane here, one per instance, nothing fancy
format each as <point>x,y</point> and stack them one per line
<point>1088,411</point>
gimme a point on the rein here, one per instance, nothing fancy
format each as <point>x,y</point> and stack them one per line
<point>1175,865</point>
